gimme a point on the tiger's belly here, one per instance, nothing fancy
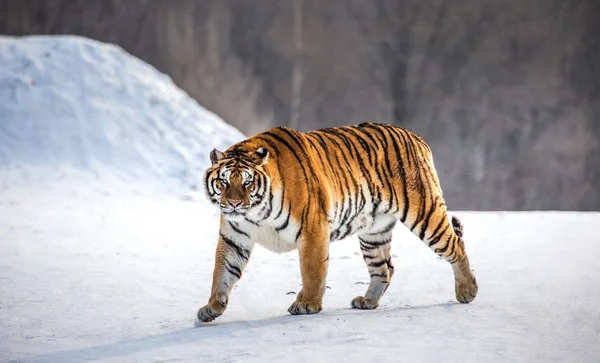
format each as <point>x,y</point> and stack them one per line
<point>363,222</point>
<point>270,238</point>
<point>275,241</point>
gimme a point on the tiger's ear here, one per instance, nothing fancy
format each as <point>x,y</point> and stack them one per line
<point>260,156</point>
<point>215,156</point>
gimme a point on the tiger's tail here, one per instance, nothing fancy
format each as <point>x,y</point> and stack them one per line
<point>457,226</point>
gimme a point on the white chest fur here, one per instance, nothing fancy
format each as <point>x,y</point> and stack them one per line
<point>268,236</point>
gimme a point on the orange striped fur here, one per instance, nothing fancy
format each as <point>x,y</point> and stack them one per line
<point>290,190</point>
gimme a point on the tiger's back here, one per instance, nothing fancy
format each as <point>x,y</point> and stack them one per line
<point>374,170</point>
<point>328,184</point>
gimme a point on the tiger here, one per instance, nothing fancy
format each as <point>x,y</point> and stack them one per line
<point>287,190</point>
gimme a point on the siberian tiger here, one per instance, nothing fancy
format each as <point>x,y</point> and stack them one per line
<point>291,190</point>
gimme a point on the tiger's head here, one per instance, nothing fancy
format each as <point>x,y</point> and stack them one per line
<point>237,181</point>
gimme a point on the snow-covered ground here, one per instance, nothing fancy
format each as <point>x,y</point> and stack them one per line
<point>120,278</point>
<point>105,257</point>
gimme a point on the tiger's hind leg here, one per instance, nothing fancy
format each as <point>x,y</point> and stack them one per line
<point>465,283</point>
<point>445,239</point>
<point>375,247</point>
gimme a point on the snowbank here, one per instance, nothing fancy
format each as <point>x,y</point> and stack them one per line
<point>77,106</point>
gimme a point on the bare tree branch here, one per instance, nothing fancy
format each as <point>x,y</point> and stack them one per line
<point>296,93</point>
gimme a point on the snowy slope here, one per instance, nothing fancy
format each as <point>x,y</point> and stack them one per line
<point>113,279</point>
<point>73,106</point>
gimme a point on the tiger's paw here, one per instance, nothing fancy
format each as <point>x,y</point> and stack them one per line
<point>213,309</point>
<point>207,314</point>
<point>466,290</point>
<point>304,307</point>
<point>361,302</point>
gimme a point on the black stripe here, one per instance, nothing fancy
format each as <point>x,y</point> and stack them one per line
<point>387,174</point>
<point>344,187</point>
<point>441,233</point>
<point>389,263</point>
<point>412,158</point>
<point>250,221</point>
<point>267,207</point>
<point>453,247</point>
<point>293,152</point>
<point>347,192</point>
<point>424,190</point>
<point>383,140</point>
<point>234,270</point>
<point>304,216</point>
<point>379,243</point>
<point>440,224</point>
<point>380,171</point>
<point>210,314</point>
<point>334,234</point>
<point>368,248</point>
<point>445,248</point>
<point>302,149</point>
<point>377,263</point>
<point>426,222</point>
<point>318,150</point>
<point>285,223</point>
<point>347,232</point>
<point>237,230</point>
<point>352,146</point>
<point>430,178</point>
<point>241,251</point>
<point>258,183</point>
<point>282,202</point>
<point>385,229</point>
<point>402,174</point>
<point>369,149</point>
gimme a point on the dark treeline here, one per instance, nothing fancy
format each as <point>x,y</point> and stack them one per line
<point>506,92</point>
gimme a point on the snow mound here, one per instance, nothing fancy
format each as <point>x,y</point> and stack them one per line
<point>71,103</point>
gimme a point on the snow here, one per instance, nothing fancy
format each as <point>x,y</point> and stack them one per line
<point>102,260</point>
<point>85,108</point>
<point>119,278</point>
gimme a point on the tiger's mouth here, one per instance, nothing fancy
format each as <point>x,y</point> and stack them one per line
<point>234,215</point>
<point>234,212</point>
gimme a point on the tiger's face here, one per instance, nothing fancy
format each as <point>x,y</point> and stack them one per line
<point>237,181</point>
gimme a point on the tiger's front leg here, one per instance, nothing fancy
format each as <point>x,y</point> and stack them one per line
<point>314,259</point>
<point>233,252</point>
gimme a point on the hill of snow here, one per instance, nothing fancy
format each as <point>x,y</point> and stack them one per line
<point>71,105</point>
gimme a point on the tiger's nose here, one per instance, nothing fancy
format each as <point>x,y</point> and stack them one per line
<point>234,203</point>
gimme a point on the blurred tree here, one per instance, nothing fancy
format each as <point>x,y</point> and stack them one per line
<point>507,92</point>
